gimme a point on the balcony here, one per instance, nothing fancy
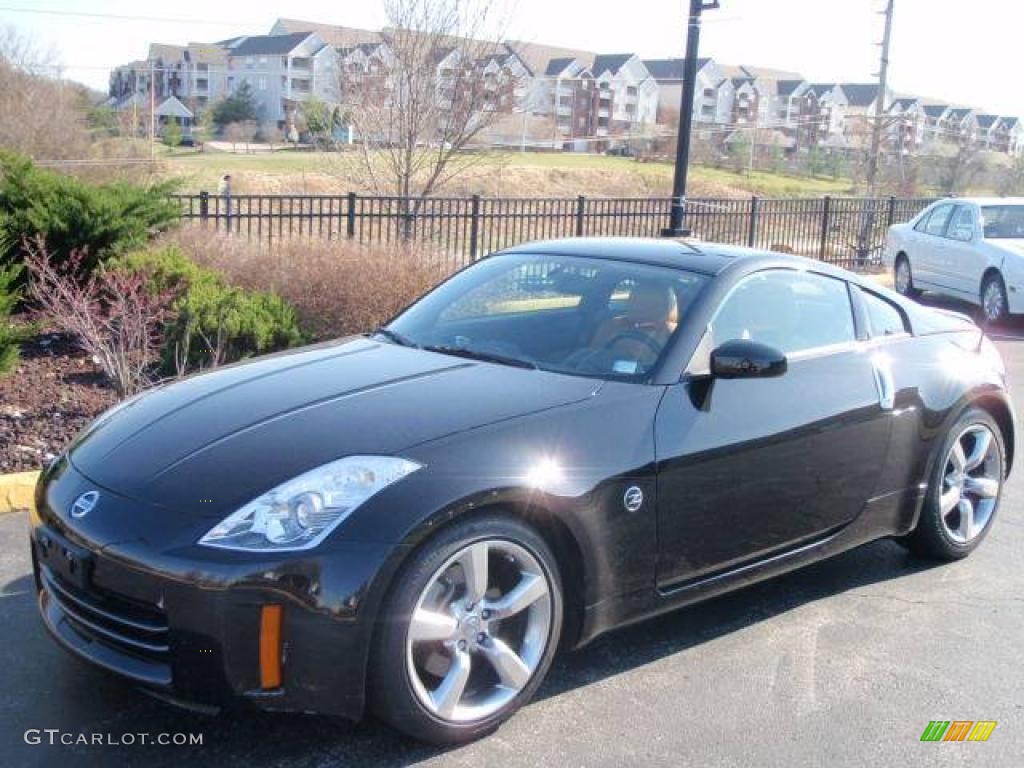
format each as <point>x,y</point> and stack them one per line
<point>301,86</point>
<point>301,63</point>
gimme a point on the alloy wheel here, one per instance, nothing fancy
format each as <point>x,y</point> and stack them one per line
<point>971,481</point>
<point>992,301</point>
<point>479,630</point>
<point>902,278</point>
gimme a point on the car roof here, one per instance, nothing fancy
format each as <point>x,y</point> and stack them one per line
<point>691,255</point>
<point>984,200</point>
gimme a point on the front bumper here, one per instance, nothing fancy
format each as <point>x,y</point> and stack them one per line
<point>189,629</point>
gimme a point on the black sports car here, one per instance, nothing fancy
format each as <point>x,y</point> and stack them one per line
<point>561,439</point>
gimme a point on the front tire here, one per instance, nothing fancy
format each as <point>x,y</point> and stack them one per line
<point>994,305</point>
<point>468,632</point>
<point>963,495</point>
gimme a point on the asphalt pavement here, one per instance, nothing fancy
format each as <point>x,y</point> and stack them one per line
<point>842,663</point>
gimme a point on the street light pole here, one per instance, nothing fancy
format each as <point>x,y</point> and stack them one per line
<point>678,214</point>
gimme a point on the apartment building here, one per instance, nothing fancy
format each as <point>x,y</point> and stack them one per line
<point>582,99</point>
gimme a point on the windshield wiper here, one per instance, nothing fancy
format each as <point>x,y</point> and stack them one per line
<point>396,337</point>
<point>476,354</point>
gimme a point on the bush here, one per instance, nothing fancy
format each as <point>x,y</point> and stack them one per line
<point>113,315</point>
<point>9,335</point>
<point>70,216</point>
<point>212,322</point>
<point>337,287</point>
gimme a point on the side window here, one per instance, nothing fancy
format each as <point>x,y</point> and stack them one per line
<point>962,226</point>
<point>923,221</point>
<point>937,221</point>
<point>884,318</point>
<point>789,310</point>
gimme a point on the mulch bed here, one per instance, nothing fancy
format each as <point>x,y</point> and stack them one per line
<point>54,392</point>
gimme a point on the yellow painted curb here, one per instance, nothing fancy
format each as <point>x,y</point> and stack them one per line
<point>17,491</point>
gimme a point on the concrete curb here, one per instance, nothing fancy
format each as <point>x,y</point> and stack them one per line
<point>17,491</point>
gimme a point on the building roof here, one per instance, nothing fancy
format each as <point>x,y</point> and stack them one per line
<point>860,94</point>
<point>959,113</point>
<point>171,107</point>
<point>558,66</point>
<point>769,73</point>
<point>903,103</point>
<point>935,110</point>
<point>166,51</point>
<point>339,37</point>
<point>987,121</point>
<point>670,69</point>
<point>786,87</point>
<point>610,62</point>
<point>264,45</point>
<point>1011,122</point>
<point>206,53</point>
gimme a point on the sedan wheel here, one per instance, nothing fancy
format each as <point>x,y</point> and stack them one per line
<point>903,280</point>
<point>993,299</point>
<point>965,490</point>
<point>482,608</point>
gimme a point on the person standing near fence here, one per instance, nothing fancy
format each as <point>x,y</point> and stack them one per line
<point>224,190</point>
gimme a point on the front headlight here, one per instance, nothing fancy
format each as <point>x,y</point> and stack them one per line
<point>300,513</point>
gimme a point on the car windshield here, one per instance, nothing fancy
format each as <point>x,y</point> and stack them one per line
<point>1003,221</point>
<point>582,316</point>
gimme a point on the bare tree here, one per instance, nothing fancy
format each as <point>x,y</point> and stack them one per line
<point>41,114</point>
<point>960,171</point>
<point>445,80</point>
<point>242,132</point>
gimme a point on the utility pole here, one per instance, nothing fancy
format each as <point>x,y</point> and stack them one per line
<point>868,215</point>
<point>876,127</point>
<point>152,113</point>
<point>678,213</point>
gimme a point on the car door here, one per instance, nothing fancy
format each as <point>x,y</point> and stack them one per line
<point>964,262</point>
<point>749,468</point>
<point>928,254</point>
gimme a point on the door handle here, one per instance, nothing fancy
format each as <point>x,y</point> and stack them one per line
<point>884,382</point>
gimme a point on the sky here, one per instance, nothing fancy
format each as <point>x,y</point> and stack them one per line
<point>962,53</point>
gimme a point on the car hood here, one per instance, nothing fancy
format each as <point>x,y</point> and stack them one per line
<point>220,439</point>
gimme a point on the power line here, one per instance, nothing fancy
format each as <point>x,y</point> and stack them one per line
<point>127,17</point>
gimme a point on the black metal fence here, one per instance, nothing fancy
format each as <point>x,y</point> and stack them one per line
<point>841,230</point>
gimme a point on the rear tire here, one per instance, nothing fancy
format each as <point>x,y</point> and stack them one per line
<point>994,305</point>
<point>471,660</point>
<point>903,277</point>
<point>964,490</point>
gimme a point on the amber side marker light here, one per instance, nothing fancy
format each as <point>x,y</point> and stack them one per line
<point>270,647</point>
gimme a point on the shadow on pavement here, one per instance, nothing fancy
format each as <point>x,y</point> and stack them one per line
<point>48,689</point>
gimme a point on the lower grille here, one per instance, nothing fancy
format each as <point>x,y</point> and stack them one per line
<point>131,628</point>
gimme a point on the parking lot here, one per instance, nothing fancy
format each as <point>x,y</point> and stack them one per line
<point>843,663</point>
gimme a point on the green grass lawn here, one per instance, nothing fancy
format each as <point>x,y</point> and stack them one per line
<point>202,170</point>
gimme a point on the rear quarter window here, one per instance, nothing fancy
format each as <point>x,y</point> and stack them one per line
<point>884,318</point>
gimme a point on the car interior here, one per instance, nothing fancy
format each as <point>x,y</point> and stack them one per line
<point>610,320</point>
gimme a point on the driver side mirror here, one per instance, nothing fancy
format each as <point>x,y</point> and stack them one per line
<point>745,359</point>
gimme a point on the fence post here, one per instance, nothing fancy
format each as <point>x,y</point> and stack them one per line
<point>581,207</point>
<point>474,229</point>
<point>826,208</point>
<point>350,215</point>
<point>204,206</point>
<point>890,215</point>
<point>755,204</point>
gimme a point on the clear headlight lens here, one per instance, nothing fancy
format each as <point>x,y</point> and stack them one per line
<point>300,513</point>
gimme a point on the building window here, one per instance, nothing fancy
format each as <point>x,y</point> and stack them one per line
<point>249,62</point>
<point>261,83</point>
<point>709,93</point>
